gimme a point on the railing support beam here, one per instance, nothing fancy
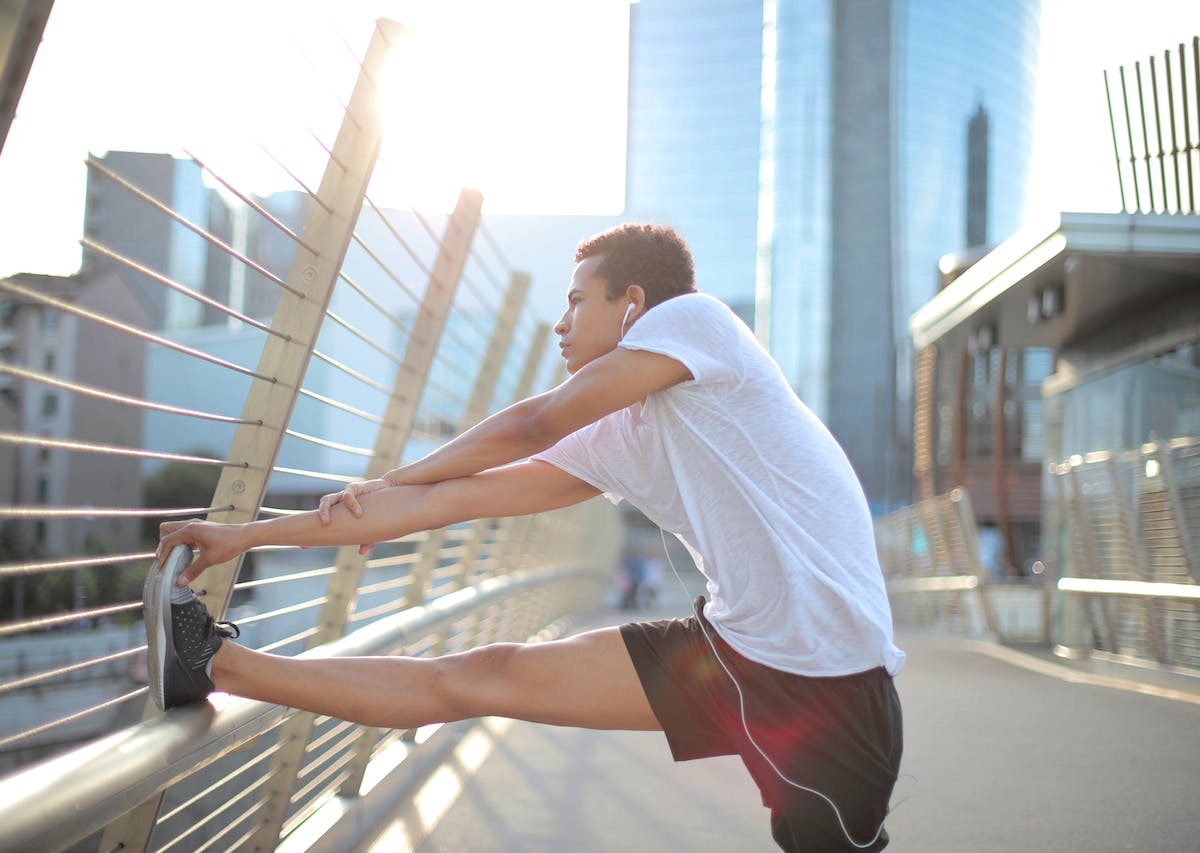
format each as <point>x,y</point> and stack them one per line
<point>398,422</point>
<point>285,358</point>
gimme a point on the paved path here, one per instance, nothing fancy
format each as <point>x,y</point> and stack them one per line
<point>998,758</point>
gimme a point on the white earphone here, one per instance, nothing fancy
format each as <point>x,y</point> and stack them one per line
<point>625,320</point>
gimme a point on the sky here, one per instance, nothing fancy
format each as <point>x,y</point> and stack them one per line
<point>524,100</point>
<point>493,104</point>
<point>1073,164</point>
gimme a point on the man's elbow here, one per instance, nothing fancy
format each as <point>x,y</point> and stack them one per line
<point>538,427</point>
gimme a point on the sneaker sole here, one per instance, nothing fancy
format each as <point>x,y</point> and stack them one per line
<point>156,604</point>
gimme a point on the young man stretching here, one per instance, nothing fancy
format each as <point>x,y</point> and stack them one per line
<point>673,406</point>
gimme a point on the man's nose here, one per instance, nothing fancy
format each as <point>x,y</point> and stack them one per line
<point>560,328</point>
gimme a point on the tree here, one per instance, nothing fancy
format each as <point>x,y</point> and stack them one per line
<point>177,485</point>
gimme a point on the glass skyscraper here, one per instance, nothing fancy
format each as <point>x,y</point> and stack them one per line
<point>694,114</point>
<point>815,155</point>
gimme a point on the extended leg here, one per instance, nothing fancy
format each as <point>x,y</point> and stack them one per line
<point>587,681</point>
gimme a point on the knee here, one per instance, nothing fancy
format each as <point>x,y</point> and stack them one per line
<point>475,683</point>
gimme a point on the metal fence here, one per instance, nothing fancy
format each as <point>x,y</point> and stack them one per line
<point>929,553</point>
<point>931,563</point>
<point>1157,123</point>
<point>1131,524</point>
<point>1124,528</point>
<point>217,760</point>
<point>378,336</point>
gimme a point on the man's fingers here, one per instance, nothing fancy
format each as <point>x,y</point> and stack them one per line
<point>193,571</point>
<point>168,541</point>
<point>365,549</point>
<point>166,529</point>
<point>323,508</point>
<point>352,504</point>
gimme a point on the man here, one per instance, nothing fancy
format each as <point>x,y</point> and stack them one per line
<point>672,405</point>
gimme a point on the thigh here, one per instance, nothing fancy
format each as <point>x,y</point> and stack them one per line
<point>587,680</point>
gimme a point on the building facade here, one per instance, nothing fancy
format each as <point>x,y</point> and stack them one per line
<point>121,222</point>
<point>1060,384</point>
<point>47,346</point>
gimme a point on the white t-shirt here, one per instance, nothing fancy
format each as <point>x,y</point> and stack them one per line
<point>737,467</point>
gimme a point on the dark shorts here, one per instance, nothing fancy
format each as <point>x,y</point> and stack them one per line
<point>840,736</point>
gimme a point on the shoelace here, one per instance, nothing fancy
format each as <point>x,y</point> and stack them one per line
<point>225,629</point>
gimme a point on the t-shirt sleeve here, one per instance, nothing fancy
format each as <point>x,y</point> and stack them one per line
<point>575,454</point>
<point>695,330</point>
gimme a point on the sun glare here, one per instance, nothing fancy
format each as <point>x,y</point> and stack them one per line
<point>524,102</point>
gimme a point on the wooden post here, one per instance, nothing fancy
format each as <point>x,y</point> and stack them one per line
<point>269,404</point>
<point>1179,522</point>
<point>401,414</point>
<point>924,419</point>
<point>476,409</point>
<point>1084,546</point>
<point>958,455</point>
<point>485,390</point>
<point>965,521</point>
<point>512,530</point>
<point>1000,461</point>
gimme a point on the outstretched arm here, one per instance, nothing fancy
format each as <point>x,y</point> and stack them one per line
<point>519,489</point>
<point>611,382</point>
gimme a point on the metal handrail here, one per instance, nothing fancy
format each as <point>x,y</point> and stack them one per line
<point>950,583</point>
<point>1130,574</point>
<point>929,554</point>
<point>59,801</point>
<point>1144,589</point>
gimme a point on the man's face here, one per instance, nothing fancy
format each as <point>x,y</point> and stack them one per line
<point>592,325</point>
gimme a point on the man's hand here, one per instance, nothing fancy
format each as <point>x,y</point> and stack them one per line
<point>349,496</point>
<point>213,543</point>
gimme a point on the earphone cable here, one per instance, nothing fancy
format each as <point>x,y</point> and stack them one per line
<point>746,725</point>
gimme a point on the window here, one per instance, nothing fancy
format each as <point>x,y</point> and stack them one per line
<point>979,397</point>
<point>49,319</point>
<point>49,405</point>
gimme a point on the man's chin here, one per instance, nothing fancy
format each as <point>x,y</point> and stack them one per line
<point>573,362</point>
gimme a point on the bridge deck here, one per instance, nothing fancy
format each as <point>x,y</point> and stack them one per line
<point>1002,753</point>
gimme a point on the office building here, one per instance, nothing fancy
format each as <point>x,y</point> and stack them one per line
<point>817,156</point>
<point>46,346</point>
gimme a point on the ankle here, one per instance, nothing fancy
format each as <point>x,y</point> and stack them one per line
<point>224,663</point>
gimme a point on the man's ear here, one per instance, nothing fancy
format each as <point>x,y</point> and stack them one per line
<point>637,298</point>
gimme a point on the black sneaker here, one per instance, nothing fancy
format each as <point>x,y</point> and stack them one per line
<point>181,637</point>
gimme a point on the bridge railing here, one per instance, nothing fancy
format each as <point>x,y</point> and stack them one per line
<point>371,337</point>
<point>929,553</point>
<point>1131,522</point>
<point>215,757</point>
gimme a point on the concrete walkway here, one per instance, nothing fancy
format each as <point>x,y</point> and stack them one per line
<point>1003,753</point>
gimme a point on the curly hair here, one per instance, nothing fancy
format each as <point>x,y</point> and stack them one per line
<point>652,256</point>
